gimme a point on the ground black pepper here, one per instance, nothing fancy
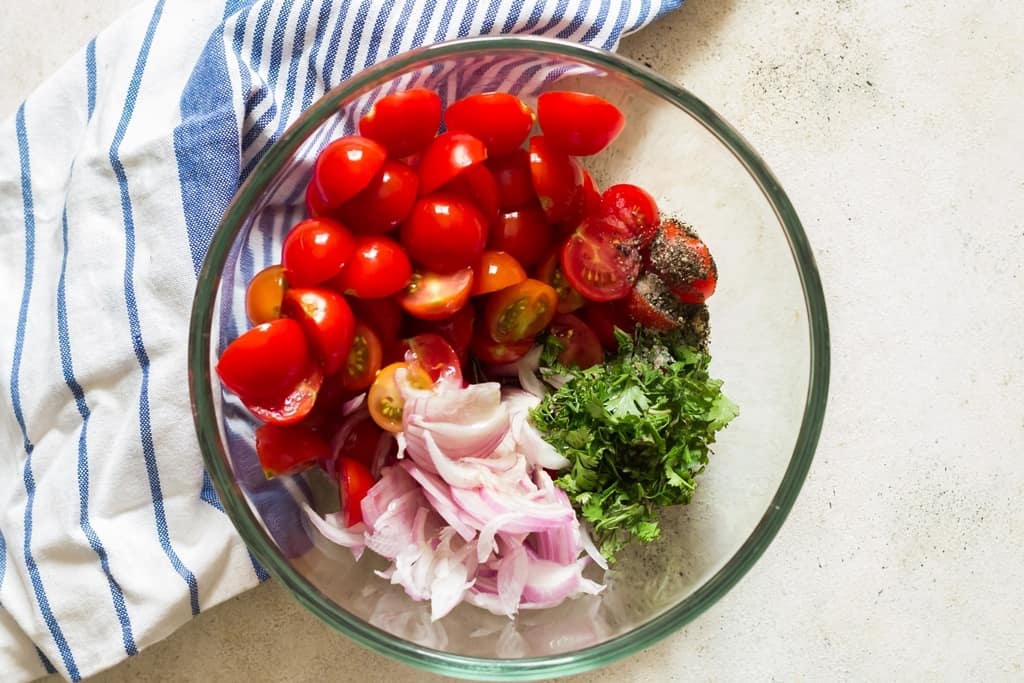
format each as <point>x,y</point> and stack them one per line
<point>675,259</point>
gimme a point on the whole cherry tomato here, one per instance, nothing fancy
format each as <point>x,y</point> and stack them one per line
<point>263,295</point>
<point>447,156</point>
<point>344,167</point>
<point>354,482</point>
<point>364,359</point>
<point>378,268</point>
<point>431,296</point>
<point>501,120</point>
<point>512,175</point>
<point>523,233</point>
<point>384,203</point>
<point>444,233</point>
<point>403,122</point>
<point>497,270</point>
<point>289,449</point>
<point>476,184</point>
<point>557,180</point>
<point>315,250</point>
<point>520,311</point>
<point>327,321</point>
<point>578,123</point>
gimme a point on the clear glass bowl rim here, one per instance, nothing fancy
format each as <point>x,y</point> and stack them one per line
<point>201,380</point>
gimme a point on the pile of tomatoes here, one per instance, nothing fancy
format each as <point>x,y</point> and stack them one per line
<point>421,249</point>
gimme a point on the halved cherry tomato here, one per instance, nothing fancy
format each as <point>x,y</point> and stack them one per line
<point>315,250</point>
<point>557,180</point>
<point>512,175</point>
<point>385,401</point>
<point>603,318</point>
<point>403,122</point>
<point>263,295</point>
<point>327,410</point>
<point>684,262</point>
<point>550,271</point>
<point>444,233</point>
<point>315,206</point>
<point>363,361</point>
<point>456,330</point>
<point>476,184</point>
<point>653,305</point>
<point>378,268</point>
<point>524,233</point>
<point>497,270</point>
<point>273,372</point>
<point>430,359</point>
<point>354,482</point>
<point>383,315</point>
<point>360,443</point>
<point>449,155</point>
<point>580,345</point>
<point>289,449</point>
<point>384,203</point>
<point>344,167</point>
<point>431,296</point>
<point>327,321</point>
<point>578,123</point>
<point>520,311</point>
<point>498,353</point>
<point>502,121</point>
<point>591,195</point>
<point>599,260</point>
<point>636,208</point>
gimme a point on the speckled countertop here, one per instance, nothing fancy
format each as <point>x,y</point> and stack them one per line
<point>897,130</point>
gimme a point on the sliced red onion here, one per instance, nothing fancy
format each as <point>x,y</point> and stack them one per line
<point>353,404</point>
<point>512,575</point>
<point>381,453</point>
<point>394,482</point>
<point>537,451</point>
<point>439,495</point>
<point>335,531</point>
<point>549,583</point>
<point>591,549</point>
<point>394,530</point>
<point>527,369</point>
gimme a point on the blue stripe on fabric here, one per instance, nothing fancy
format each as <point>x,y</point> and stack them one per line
<point>276,54</point>
<point>357,36</point>
<point>208,494</point>
<point>467,18</point>
<point>446,20</point>
<point>535,16</point>
<point>490,16</point>
<point>556,17</point>
<point>333,44</point>
<point>403,20</point>
<point>321,28</point>
<point>620,24</point>
<point>581,14</point>
<point>3,557</point>
<point>421,29</point>
<point>258,34</point>
<point>15,388</point>
<point>90,70</point>
<point>47,664</point>
<point>131,304</point>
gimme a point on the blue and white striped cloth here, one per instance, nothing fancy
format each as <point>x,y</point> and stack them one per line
<point>113,176</point>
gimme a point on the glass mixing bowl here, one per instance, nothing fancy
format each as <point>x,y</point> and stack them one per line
<point>769,343</point>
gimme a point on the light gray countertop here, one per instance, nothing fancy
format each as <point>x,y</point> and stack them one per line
<point>897,130</point>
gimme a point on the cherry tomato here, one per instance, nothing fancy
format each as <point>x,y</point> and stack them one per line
<point>289,449</point>
<point>383,315</point>
<point>497,270</point>
<point>557,180</point>
<point>378,268</point>
<point>456,330</point>
<point>550,271</point>
<point>430,359</point>
<point>523,233</point>
<point>330,400</point>
<point>444,233</point>
<point>431,296</point>
<point>449,155</point>
<point>361,442</point>
<point>512,175</point>
<point>599,261</point>
<point>344,167</point>
<point>498,353</point>
<point>635,208</point>
<point>591,195</point>
<point>581,347</point>
<point>603,318</point>
<point>404,122</point>
<point>315,206</point>
<point>652,305</point>
<point>263,295</point>
<point>520,311</point>
<point>315,250</point>
<point>502,121</point>
<point>578,123</point>
<point>354,482</point>
<point>684,262</point>
<point>270,368</point>
<point>327,321</point>
<point>384,203</point>
<point>384,400</point>
<point>476,184</point>
<point>363,361</point>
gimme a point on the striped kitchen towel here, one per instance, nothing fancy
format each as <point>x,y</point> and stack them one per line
<point>113,175</point>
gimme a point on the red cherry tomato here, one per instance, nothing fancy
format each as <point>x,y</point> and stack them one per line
<point>378,268</point>
<point>557,180</point>
<point>327,321</point>
<point>431,296</point>
<point>315,250</point>
<point>502,121</point>
<point>456,330</point>
<point>354,482</point>
<point>430,359</point>
<point>524,233</point>
<point>383,315</point>
<point>635,208</point>
<point>263,295</point>
<point>581,347</point>
<point>289,449</point>
<point>578,123</point>
<point>315,206</point>
<point>603,318</point>
<point>384,203</point>
<point>346,166</point>
<point>270,368</point>
<point>477,185</point>
<point>653,305</point>
<point>512,175</point>
<point>497,270</point>
<point>599,261</point>
<point>404,122</point>
<point>497,353</point>
<point>684,262</point>
<point>591,195</point>
<point>520,311</point>
<point>550,271</point>
<point>444,233</point>
<point>363,361</point>
<point>449,155</point>
<point>326,412</point>
<point>360,443</point>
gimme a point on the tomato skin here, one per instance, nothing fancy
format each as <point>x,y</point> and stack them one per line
<point>550,271</point>
<point>501,120</point>
<point>456,330</point>
<point>431,359</point>
<point>578,123</point>
<point>378,268</point>
<point>591,195</point>
<point>476,184</point>
<point>514,181</point>
<point>315,206</point>
<point>603,318</point>
<point>384,203</point>
<point>444,233</point>
<point>271,369</point>
<point>497,270</point>
<point>523,233</point>
<point>284,450</point>
<point>263,295</point>
<point>354,482</point>
<point>498,353</point>
<point>447,156</point>
<point>520,311</point>
<point>360,443</point>
<point>363,361</point>
<point>599,260</point>
<point>383,316</point>
<point>344,167</point>
<point>582,346</point>
<point>403,122</point>
<point>557,180</point>
<point>326,412</point>
<point>385,401</point>
<point>636,208</point>
<point>327,321</point>
<point>315,250</point>
<point>434,296</point>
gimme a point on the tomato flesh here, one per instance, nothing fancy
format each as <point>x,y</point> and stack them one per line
<point>363,361</point>
<point>520,311</point>
<point>581,347</point>
<point>289,449</point>
<point>444,233</point>
<point>599,261</point>
<point>432,296</point>
<point>578,123</point>
<point>384,400</point>
<point>500,120</point>
<point>354,482</point>
<point>447,156</point>
<point>378,268</point>
<point>263,295</point>
<point>384,203</point>
<point>431,359</point>
<point>344,167</point>
<point>315,250</point>
<point>403,122</point>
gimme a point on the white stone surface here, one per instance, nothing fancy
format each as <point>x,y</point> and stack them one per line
<point>897,129</point>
